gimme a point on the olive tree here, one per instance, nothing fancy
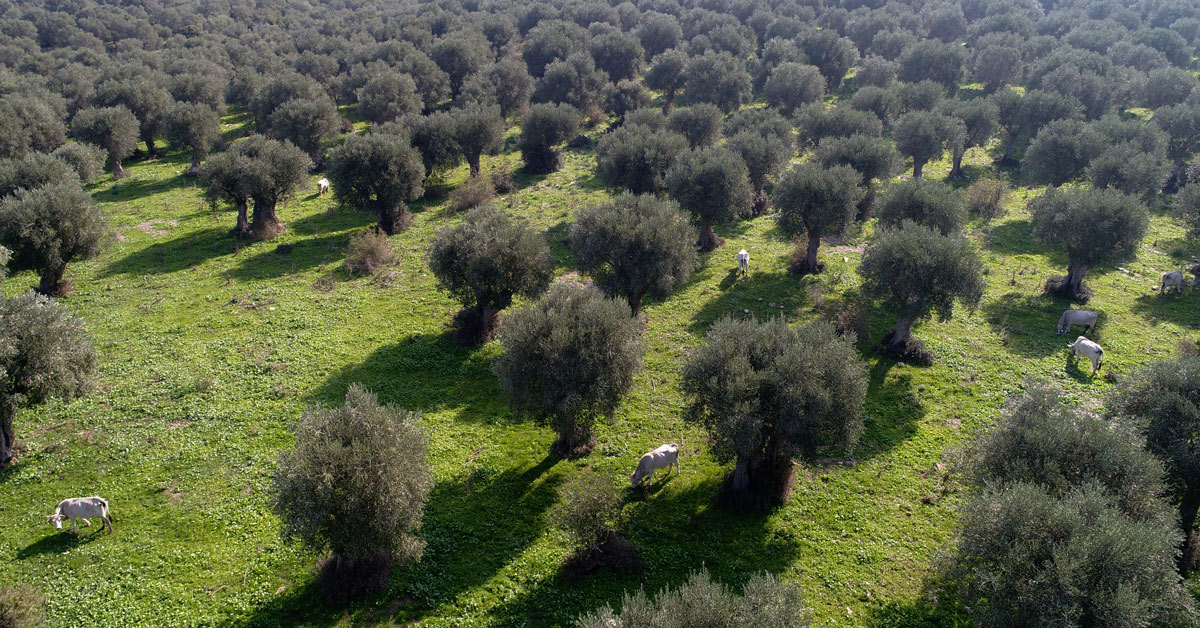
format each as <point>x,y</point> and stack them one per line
<point>635,246</point>
<point>792,85</point>
<point>355,485</point>
<point>307,124</point>
<point>666,74</point>
<point>544,127</point>
<point>712,184</point>
<point>921,135</point>
<point>381,173</point>
<point>48,227</point>
<point>979,117</point>
<point>112,128</point>
<point>276,170</point>
<point>483,262</point>
<point>1163,400</point>
<point>1061,152</point>
<point>1181,123</point>
<point>765,601</point>
<point>930,203</point>
<point>142,96</point>
<point>635,158</point>
<point>764,154</point>
<point>1021,116</point>
<point>718,78</point>
<point>87,160</point>
<point>570,358</point>
<point>195,126</point>
<point>47,354</point>
<point>28,124</point>
<point>388,96</point>
<point>917,271</point>
<point>478,129</point>
<point>1094,226</point>
<point>699,123</point>
<point>32,171</point>
<point>814,201</point>
<point>873,158</point>
<point>768,393</point>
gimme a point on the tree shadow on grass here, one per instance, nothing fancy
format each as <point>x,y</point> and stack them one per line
<point>1027,323</point>
<point>675,534</point>
<point>1180,309</point>
<point>465,547</point>
<point>426,372</point>
<point>752,295</point>
<point>1014,237</point>
<point>892,410</point>
<point>136,187</point>
<point>63,540</point>
<point>176,254</point>
<point>303,255</point>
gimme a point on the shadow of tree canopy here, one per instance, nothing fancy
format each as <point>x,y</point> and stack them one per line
<point>675,534</point>
<point>1027,323</point>
<point>892,410</point>
<point>1181,309</point>
<point>426,372</point>
<point>748,296</point>
<point>304,254</point>
<point>137,187</point>
<point>1014,237</point>
<point>175,254</point>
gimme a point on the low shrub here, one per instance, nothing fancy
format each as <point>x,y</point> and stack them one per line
<point>590,514</point>
<point>986,197</point>
<point>20,607</point>
<point>472,193</point>
<point>369,251</point>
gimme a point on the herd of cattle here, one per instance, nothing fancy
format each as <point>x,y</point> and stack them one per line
<point>665,456</point>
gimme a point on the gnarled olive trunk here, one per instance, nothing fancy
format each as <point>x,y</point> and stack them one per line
<point>195,167</point>
<point>242,230</point>
<point>917,166</point>
<point>635,300</point>
<point>473,164</point>
<point>1074,281</point>
<point>668,101</point>
<point>50,283</point>
<point>956,170</point>
<point>1187,518</point>
<point>901,332</point>
<point>708,238</point>
<point>810,263</point>
<point>265,223</point>
<point>393,220</point>
<point>867,203</point>
<point>8,437</point>
<point>118,170</point>
<point>151,152</point>
<point>1009,149</point>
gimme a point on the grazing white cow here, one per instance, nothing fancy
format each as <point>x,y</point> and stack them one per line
<point>743,261</point>
<point>1077,317</point>
<point>1087,348</point>
<point>322,186</point>
<point>661,458</point>
<point>1172,279</point>
<point>81,508</point>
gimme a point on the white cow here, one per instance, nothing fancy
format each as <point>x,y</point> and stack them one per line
<point>1077,317</point>
<point>743,261</point>
<point>81,508</point>
<point>661,458</point>
<point>1083,346</point>
<point>1172,279</point>
<point>322,186</point>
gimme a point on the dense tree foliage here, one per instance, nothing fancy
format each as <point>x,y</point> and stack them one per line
<point>765,601</point>
<point>355,485</point>
<point>1164,402</point>
<point>484,262</point>
<point>194,126</point>
<point>926,202</point>
<point>112,128</point>
<point>50,226</point>
<point>767,393</point>
<point>635,246</point>
<point>569,358</point>
<point>636,158</point>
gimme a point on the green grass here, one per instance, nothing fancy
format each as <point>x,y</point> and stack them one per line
<point>209,351</point>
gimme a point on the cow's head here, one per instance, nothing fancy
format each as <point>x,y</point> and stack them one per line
<point>633,479</point>
<point>56,521</point>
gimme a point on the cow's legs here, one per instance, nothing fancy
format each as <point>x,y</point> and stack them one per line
<point>86,522</point>
<point>107,523</point>
<point>74,529</point>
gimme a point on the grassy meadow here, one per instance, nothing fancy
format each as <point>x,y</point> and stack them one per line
<point>210,349</point>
